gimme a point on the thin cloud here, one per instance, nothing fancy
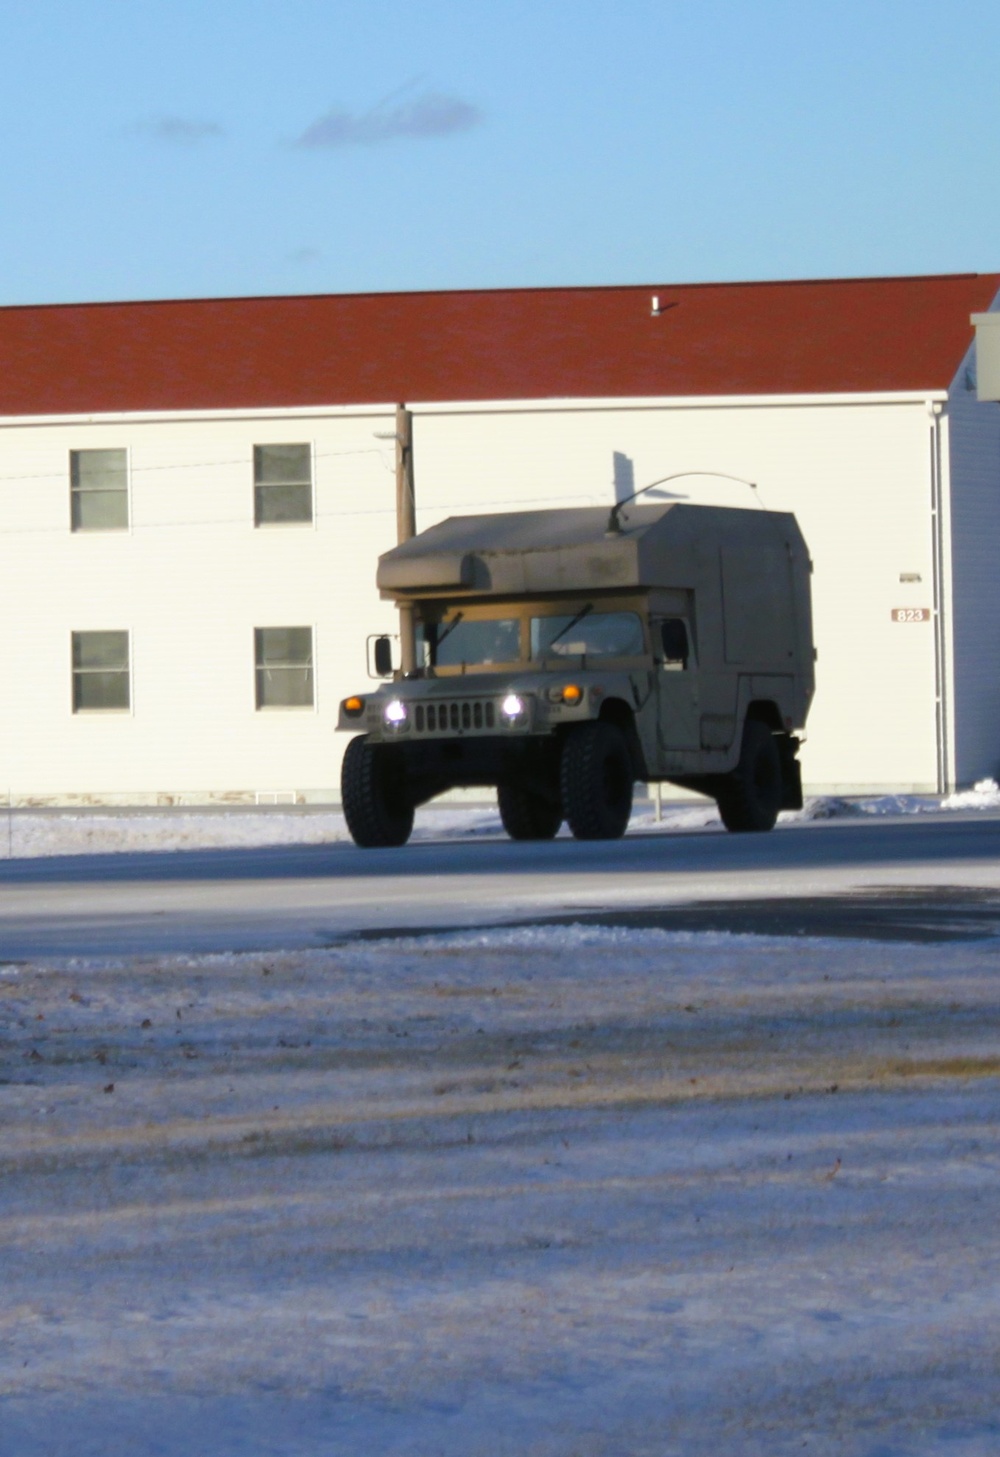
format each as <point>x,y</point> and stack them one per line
<point>179,131</point>
<point>424,117</point>
<point>305,255</point>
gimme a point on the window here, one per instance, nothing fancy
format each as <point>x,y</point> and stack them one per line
<point>674,637</point>
<point>479,641</point>
<point>587,634</point>
<point>100,671</point>
<point>98,490</point>
<point>284,667</point>
<point>282,484</point>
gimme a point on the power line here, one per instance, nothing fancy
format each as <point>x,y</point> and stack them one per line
<point>246,520</point>
<point>242,460</point>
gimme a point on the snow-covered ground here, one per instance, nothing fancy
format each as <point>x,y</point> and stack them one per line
<point>26,834</point>
<point>552,1192</point>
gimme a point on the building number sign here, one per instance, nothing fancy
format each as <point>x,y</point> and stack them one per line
<point>911,614</point>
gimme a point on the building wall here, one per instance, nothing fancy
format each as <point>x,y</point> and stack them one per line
<point>190,580</point>
<point>974,458</point>
<point>193,577</point>
<point>858,477</point>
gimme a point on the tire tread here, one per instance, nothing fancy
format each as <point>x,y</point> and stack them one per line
<point>743,806</point>
<point>375,822</point>
<point>586,755</point>
<point>526,815</point>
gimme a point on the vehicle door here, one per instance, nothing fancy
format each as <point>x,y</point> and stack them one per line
<point>678,695</point>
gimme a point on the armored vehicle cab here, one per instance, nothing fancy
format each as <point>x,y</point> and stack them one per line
<point>561,656</point>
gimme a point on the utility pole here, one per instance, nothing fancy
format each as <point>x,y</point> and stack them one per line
<point>406,526</point>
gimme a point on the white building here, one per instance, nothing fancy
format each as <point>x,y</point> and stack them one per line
<point>194,495</point>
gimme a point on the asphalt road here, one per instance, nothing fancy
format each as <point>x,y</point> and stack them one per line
<point>911,878</point>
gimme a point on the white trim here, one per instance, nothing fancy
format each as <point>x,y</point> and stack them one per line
<point>155,417</point>
<point>486,407</point>
<point>677,402</point>
<point>313,484</point>
<point>938,522</point>
<point>942,424</point>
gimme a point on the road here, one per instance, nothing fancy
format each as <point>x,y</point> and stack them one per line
<point>933,873</point>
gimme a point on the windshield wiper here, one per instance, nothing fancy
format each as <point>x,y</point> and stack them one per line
<point>570,625</point>
<point>435,642</point>
<point>450,628</point>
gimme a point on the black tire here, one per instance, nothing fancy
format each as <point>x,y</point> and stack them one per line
<point>753,792</point>
<point>596,780</point>
<point>373,794</point>
<point>527,815</point>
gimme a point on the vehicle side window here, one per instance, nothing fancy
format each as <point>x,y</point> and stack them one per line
<point>590,634</point>
<point>676,649</point>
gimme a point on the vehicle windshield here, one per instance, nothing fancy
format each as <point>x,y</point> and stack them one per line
<point>478,642</point>
<point>587,634</point>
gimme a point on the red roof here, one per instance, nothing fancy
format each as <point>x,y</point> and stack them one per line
<point>831,336</point>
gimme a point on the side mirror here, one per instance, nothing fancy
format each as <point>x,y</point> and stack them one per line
<point>382,657</point>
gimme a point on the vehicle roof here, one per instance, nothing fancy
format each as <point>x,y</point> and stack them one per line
<point>516,552</point>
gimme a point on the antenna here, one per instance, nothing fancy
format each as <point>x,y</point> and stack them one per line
<point>614,526</point>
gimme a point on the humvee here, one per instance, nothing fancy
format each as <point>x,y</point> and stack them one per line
<point>561,656</point>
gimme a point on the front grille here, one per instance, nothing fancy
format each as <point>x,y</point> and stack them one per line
<point>465,715</point>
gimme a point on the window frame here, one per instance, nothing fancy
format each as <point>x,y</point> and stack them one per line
<point>259,523</point>
<point>688,663</point>
<point>260,667</point>
<point>76,674</point>
<point>76,494</point>
<point>440,609</point>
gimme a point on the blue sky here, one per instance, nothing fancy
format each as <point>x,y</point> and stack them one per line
<point>189,149</point>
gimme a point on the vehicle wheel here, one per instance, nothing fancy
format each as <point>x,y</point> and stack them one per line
<point>752,795</point>
<point>596,781</point>
<point>373,794</point>
<point>526,815</point>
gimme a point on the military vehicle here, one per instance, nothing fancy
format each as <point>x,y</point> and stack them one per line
<point>562,656</point>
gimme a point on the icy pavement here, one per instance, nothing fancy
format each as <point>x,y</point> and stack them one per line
<point>27,833</point>
<point>552,1192</point>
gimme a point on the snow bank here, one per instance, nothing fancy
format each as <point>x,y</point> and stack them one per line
<point>983,795</point>
<point>30,834</point>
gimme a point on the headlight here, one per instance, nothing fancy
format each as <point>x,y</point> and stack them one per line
<point>395,713</point>
<point>512,707</point>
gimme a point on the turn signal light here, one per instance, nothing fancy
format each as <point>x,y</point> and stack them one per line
<point>354,706</point>
<point>572,694</point>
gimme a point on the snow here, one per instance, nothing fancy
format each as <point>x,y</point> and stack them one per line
<point>983,795</point>
<point>31,833</point>
<point>552,1191</point>
<point>545,1191</point>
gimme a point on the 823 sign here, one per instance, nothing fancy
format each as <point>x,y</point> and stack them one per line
<point>911,614</point>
